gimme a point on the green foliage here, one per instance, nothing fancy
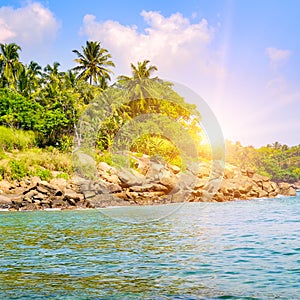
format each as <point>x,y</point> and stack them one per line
<point>44,174</point>
<point>63,175</point>
<point>35,162</point>
<point>93,63</point>
<point>154,145</point>
<point>11,139</point>
<point>18,169</point>
<point>279,162</point>
<point>18,112</point>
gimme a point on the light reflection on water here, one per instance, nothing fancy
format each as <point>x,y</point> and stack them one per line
<point>234,250</point>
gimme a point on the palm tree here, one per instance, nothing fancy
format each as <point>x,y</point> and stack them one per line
<point>141,87</point>
<point>93,63</point>
<point>9,63</point>
<point>29,78</point>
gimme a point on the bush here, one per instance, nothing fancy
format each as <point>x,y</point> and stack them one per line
<point>63,175</point>
<point>18,169</point>
<point>11,139</point>
<point>44,174</point>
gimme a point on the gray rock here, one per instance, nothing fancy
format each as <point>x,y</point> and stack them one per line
<point>130,178</point>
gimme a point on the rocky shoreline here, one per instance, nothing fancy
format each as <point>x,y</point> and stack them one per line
<point>149,182</point>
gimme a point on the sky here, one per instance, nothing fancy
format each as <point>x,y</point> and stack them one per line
<point>241,56</point>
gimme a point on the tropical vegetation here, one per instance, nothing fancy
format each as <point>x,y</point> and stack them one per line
<point>42,108</point>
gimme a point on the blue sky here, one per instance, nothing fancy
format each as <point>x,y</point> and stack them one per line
<point>241,56</point>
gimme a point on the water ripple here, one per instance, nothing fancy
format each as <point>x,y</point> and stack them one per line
<point>234,250</point>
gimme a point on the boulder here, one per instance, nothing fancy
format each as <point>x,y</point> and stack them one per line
<point>296,185</point>
<point>53,190</point>
<point>286,189</point>
<point>229,171</point>
<point>204,170</point>
<point>70,195</point>
<point>5,202</point>
<point>5,187</point>
<point>130,177</point>
<point>174,169</point>
<point>60,183</point>
<point>267,186</point>
<point>167,178</point>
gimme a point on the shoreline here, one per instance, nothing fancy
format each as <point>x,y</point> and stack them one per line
<point>150,183</point>
<point>145,205</point>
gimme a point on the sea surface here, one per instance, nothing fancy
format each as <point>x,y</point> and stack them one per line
<point>232,250</point>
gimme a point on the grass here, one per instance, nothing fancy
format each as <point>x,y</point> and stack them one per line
<point>12,139</point>
<point>18,165</point>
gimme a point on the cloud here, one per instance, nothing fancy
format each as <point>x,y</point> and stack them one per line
<point>174,44</point>
<point>30,25</point>
<point>279,86</point>
<point>278,57</point>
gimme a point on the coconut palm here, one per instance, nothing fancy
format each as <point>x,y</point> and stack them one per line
<point>93,63</point>
<point>9,63</point>
<point>141,87</point>
<point>29,78</point>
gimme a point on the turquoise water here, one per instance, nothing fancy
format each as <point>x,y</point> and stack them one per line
<point>233,250</point>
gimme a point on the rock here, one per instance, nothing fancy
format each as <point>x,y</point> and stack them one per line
<point>267,186</point>
<point>296,185</point>
<point>286,189</point>
<point>106,200</point>
<point>181,196</point>
<point>186,181</point>
<point>113,188</point>
<point>143,165</point>
<point>5,202</point>
<point>110,178</point>
<point>154,172</point>
<point>50,188</point>
<point>130,177</point>
<point>17,201</point>
<point>206,196</point>
<point>150,187</point>
<point>5,187</point>
<point>229,172</point>
<point>39,196</point>
<point>89,195</point>
<point>30,207</point>
<point>42,190</point>
<point>245,187</point>
<point>262,194</point>
<point>167,178</point>
<point>259,179</point>
<point>59,183</point>
<point>34,180</point>
<point>250,173</point>
<point>72,196</point>
<point>174,169</point>
<point>217,169</point>
<point>200,184</point>
<point>201,169</point>
<point>29,195</point>
<point>23,184</point>
<point>219,197</point>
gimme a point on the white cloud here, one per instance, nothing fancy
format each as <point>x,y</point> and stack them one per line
<point>178,47</point>
<point>279,86</point>
<point>30,25</point>
<point>278,57</point>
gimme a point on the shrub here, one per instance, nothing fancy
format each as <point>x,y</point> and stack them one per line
<point>63,175</point>
<point>11,139</point>
<point>18,169</point>
<point>44,174</point>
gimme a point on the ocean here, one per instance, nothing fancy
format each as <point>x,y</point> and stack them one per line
<point>233,250</point>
